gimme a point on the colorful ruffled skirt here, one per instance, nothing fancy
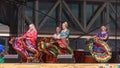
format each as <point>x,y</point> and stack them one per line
<point>26,50</point>
<point>99,50</point>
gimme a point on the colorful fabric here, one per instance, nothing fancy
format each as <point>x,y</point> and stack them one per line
<point>99,50</point>
<point>65,34</point>
<point>53,47</point>
<point>32,37</point>
<point>1,54</point>
<point>1,59</point>
<point>1,48</point>
<point>102,35</point>
<point>25,46</point>
<point>62,42</point>
<point>53,51</point>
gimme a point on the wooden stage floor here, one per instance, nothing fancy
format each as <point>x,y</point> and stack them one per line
<point>51,65</point>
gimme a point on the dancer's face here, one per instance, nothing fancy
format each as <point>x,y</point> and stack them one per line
<point>63,26</point>
<point>103,28</point>
<point>57,30</point>
<point>31,27</point>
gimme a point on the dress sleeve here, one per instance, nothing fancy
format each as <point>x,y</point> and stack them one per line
<point>97,35</point>
<point>107,35</point>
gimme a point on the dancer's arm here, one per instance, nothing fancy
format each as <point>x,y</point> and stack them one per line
<point>91,37</point>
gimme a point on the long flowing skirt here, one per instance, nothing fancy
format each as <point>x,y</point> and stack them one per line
<point>25,49</point>
<point>99,50</point>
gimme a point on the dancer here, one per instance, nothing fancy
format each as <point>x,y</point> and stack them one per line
<point>46,49</point>
<point>102,35</point>
<point>57,34</point>
<point>98,45</point>
<point>26,44</point>
<point>64,38</point>
<point>64,35</point>
<point>42,51</point>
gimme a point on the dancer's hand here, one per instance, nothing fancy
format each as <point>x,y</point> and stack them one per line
<point>98,38</point>
<point>21,38</point>
<point>87,38</point>
<point>58,38</point>
<point>28,38</point>
<point>12,40</point>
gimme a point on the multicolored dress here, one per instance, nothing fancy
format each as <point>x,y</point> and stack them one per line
<point>26,46</point>
<point>99,48</point>
<point>65,34</point>
<point>102,35</point>
<point>64,42</point>
<point>1,54</point>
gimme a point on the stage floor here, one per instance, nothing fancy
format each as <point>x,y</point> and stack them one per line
<point>51,65</point>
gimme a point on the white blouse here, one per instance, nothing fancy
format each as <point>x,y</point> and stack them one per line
<point>56,36</point>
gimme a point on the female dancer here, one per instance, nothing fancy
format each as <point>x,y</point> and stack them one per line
<point>98,46</point>
<point>57,34</point>
<point>103,35</point>
<point>26,44</point>
<point>64,37</point>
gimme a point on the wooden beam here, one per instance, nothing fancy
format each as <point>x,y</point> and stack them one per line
<point>60,14</point>
<point>35,13</point>
<point>118,14</point>
<point>77,1</point>
<point>84,15</point>
<point>27,19</point>
<point>107,12</point>
<point>48,14</point>
<point>95,16</point>
<point>72,15</point>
